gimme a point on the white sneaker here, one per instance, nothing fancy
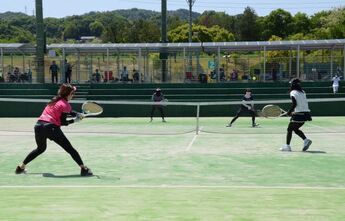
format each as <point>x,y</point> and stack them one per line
<point>306,144</point>
<point>285,148</point>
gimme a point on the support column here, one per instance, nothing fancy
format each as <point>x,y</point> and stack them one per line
<point>331,64</point>
<point>264,64</point>
<point>2,61</point>
<point>78,67</point>
<point>218,65</point>
<point>297,62</point>
<point>108,65</point>
<point>62,73</point>
<point>344,62</point>
<point>139,64</point>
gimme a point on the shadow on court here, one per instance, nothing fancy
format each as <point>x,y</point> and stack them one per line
<point>315,151</point>
<point>51,175</point>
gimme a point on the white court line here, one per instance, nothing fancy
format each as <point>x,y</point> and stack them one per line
<point>175,187</point>
<point>323,128</point>
<point>194,138</point>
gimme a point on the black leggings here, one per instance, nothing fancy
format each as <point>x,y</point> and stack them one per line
<point>159,108</point>
<point>44,130</point>
<point>295,127</point>
<point>241,111</point>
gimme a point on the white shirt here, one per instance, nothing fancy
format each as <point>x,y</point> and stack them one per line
<point>336,81</point>
<point>301,100</point>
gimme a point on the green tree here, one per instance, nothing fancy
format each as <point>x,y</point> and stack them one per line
<point>278,23</point>
<point>301,23</point>
<point>247,25</point>
<point>96,28</point>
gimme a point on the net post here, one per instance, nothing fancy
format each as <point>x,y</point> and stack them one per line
<point>197,119</point>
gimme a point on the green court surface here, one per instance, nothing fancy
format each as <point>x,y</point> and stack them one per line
<point>165,171</point>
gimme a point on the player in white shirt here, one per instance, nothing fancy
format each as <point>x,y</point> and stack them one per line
<point>300,113</point>
<point>335,83</point>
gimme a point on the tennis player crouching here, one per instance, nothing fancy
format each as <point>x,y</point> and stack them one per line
<point>299,113</point>
<point>48,126</point>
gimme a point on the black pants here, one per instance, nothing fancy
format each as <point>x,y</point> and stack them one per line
<point>241,111</point>
<point>295,127</point>
<point>44,130</point>
<point>160,108</point>
<point>68,77</point>
<point>54,77</point>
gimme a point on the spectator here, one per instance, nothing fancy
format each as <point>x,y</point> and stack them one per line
<point>96,77</point>
<point>234,75</point>
<point>124,74</point>
<point>53,69</point>
<point>68,72</point>
<point>335,83</point>
<point>135,76</point>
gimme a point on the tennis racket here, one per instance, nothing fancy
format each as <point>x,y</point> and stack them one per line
<point>272,111</point>
<point>90,108</point>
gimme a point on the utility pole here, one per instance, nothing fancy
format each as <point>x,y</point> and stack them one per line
<point>163,55</point>
<point>190,4</point>
<point>39,42</point>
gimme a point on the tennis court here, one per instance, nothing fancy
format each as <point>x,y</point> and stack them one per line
<point>165,171</point>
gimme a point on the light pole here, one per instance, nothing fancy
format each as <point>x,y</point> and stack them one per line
<point>40,42</point>
<point>190,4</point>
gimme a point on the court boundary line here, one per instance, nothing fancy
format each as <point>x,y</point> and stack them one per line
<point>172,187</point>
<point>191,143</point>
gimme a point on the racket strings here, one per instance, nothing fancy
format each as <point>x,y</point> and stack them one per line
<point>92,108</point>
<point>271,111</point>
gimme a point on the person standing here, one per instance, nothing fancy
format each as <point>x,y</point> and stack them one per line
<point>54,69</point>
<point>68,72</point>
<point>335,83</point>
<point>49,125</point>
<point>157,97</point>
<point>300,113</point>
<point>246,106</point>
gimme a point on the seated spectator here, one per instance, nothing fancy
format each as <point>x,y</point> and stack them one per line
<point>202,78</point>
<point>124,74</point>
<point>222,74</point>
<point>234,75</point>
<point>96,77</point>
<point>135,76</point>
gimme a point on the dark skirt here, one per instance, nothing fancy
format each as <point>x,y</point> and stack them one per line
<point>301,117</point>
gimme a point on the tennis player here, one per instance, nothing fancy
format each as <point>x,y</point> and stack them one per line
<point>247,106</point>
<point>157,97</point>
<point>48,126</point>
<point>299,113</point>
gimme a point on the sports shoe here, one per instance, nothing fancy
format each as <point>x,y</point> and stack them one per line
<point>86,172</point>
<point>19,170</point>
<point>306,145</point>
<point>229,125</point>
<point>151,120</point>
<point>285,148</point>
<point>164,121</point>
<point>255,125</point>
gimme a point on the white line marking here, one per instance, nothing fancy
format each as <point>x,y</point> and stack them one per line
<point>322,128</point>
<point>194,138</point>
<point>176,187</point>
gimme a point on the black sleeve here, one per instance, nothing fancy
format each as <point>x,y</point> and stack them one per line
<point>64,121</point>
<point>294,104</point>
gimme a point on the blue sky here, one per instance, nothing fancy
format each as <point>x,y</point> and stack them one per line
<point>62,8</point>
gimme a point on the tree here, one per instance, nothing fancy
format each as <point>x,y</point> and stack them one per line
<point>301,23</point>
<point>203,34</point>
<point>278,23</point>
<point>96,28</point>
<point>247,25</point>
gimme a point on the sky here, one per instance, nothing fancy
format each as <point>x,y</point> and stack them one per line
<point>63,8</point>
